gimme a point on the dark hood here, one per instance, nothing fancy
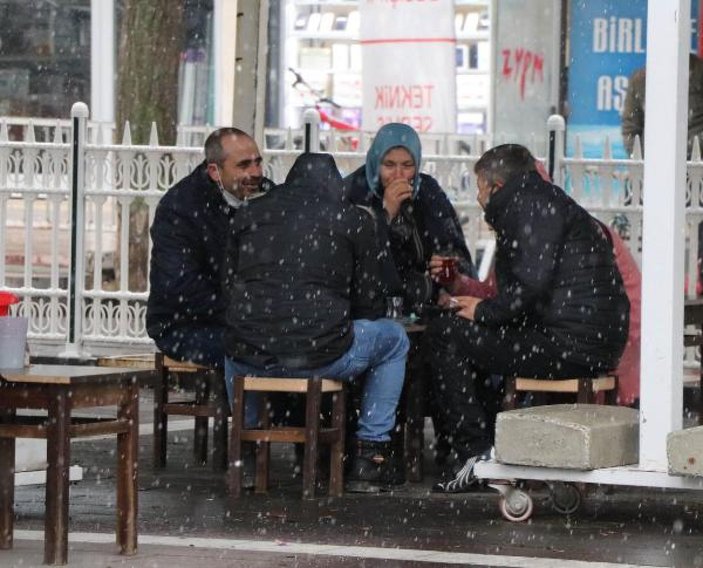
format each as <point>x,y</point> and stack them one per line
<point>318,172</point>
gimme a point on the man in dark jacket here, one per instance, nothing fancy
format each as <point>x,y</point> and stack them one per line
<point>414,216</point>
<point>304,299</point>
<point>560,311</point>
<point>185,311</point>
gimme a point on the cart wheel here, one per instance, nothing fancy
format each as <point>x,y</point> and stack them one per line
<point>566,498</point>
<point>515,505</point>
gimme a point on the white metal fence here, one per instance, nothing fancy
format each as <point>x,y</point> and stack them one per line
<point>39,178</point>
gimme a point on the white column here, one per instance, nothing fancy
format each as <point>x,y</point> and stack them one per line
<point>102,60</point>
<point>261,70</point>
<point>668,37</point>
<point>224,53</point>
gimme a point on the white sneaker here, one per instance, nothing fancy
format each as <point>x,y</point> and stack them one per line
<point>463,479</point>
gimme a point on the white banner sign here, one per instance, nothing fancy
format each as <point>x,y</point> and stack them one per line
<point>408,61</point>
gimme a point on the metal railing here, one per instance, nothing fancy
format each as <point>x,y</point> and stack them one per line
<point>45,236</point>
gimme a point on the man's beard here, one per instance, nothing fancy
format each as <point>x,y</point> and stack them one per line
<point>244,188</point>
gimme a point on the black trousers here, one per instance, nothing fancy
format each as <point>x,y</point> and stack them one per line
<point>201,344</point>
<point>464,356</point>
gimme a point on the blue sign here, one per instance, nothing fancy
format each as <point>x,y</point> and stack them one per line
<point>607,44</point>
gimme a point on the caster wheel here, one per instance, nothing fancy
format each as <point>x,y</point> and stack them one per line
<point>566,498</point>
<point>516,505</point>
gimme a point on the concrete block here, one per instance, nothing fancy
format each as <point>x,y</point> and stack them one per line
<point>684,451</point>
<point>569,436</point>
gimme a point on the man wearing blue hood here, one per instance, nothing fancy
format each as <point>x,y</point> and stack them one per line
<point>305,299</point>
<point>415,219</point>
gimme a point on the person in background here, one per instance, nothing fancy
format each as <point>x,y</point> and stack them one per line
<point>414,216</point>
<point>560,309</point>
<point>628,369</point>
<point>633,121</point>
<point>185,309</point>
<point>305,299</point>
<point>633,112</point>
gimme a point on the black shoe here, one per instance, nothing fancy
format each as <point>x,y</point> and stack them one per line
<point>372,468</point>
<point>462,479</point>
<point>442,451</point>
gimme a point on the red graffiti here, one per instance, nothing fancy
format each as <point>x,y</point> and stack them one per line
<point>522,65</point>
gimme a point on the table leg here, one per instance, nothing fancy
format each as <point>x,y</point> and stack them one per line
<point>415,396</point>
<point>234,473</point>
<point>58,455</point>
<point>200,435</point>
<point>160,419</point>
<point>127,486</point>
<point>312,436</point>
<point>7,484</point>
<point>336,486</point>
<point>220,436</point>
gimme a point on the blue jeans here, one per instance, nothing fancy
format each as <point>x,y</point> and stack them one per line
<point>379,349</point>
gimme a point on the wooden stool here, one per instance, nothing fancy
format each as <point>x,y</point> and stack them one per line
<point>209,401</point>
<point>310,435</point>
<point>585,389</point>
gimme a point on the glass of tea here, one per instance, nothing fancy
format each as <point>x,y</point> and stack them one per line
<point>448,271</point>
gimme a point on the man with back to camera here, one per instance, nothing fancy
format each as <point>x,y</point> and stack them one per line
<point>560,310</point>
<point>185,310</point>
<point>305,299</point>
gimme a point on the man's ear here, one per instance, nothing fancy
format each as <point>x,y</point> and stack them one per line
<point>214,172</point>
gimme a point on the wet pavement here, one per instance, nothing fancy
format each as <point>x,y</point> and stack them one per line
<point>184,521</point>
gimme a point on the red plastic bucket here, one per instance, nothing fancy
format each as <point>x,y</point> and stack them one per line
<point>6,300</point>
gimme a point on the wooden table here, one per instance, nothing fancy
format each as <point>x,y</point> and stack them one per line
<point>60,389</point>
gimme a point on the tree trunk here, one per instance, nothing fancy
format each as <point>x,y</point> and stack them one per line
<point>151,40</point>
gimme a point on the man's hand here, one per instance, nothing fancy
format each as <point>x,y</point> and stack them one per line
<point>443,299</point>
<point>397,191</point>
<point>467,305</point>
<point>435,267</point>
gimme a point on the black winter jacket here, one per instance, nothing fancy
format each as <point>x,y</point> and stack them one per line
<point>556,272</point>
<point>428,225</point>
<point>301,264</point>
<point>189,231</point>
